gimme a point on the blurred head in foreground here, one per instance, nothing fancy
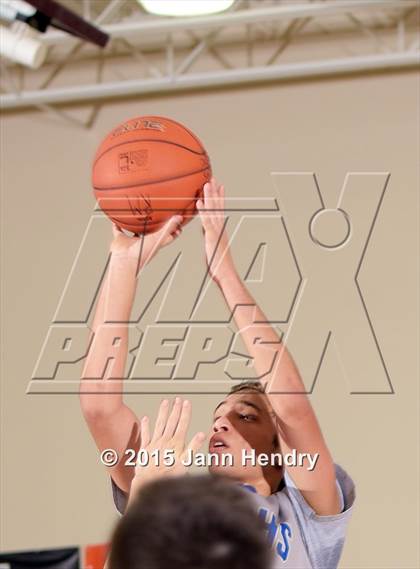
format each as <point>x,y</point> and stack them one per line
<point>190,522</point>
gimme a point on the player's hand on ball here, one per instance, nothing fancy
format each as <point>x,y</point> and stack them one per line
<point>212,215</point>
<point>163,453</point>
<point>144,247</point>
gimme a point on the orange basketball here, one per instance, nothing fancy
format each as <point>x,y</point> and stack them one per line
<point>148,169</point>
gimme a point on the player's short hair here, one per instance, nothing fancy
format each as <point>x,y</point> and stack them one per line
<point>190,522</point>
<point>248,385</point>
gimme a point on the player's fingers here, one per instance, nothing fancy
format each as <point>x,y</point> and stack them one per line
<point>165,235</point>
<point>173,419</point>
<point>170,225</point>
<point>219,200</point>
<point>215,186</point>
<point>213,197</point>
<point>204,217</point>
<point>161,419</point>
<point>116,230</point>
<point>184,421</point>
<point>169,229</point>
<point>208,195</point>
<point>144,432</point>
<point>195,444</point>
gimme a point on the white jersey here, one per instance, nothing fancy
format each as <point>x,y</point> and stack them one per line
<point>298,537</point>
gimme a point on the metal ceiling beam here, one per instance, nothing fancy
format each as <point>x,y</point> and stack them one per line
<point>210,79</point>
<point>150,26</point>
<point>391,47</point>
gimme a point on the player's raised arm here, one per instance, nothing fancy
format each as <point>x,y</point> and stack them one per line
<point>297,424</point>
<point>112,424</point>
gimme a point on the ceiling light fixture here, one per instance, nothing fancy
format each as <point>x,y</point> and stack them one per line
<point>185,7</point>
<point>22,44</point>
<point>22,40</point>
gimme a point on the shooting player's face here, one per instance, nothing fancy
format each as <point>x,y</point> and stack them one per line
<point>243,421</point>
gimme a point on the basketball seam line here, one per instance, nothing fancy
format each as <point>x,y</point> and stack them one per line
<point>147,140</point>
<point>161,222</point>
<point>152,182</point>
<point>180,125</point>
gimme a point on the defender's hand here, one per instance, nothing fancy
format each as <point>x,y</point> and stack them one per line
<point>216,241</point>
<point>169,435</point>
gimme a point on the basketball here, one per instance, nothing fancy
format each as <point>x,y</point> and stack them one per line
<point>148,169</point>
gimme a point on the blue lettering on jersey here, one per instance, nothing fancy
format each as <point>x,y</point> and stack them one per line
<point>281,531</point>
<point>283,548</point>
